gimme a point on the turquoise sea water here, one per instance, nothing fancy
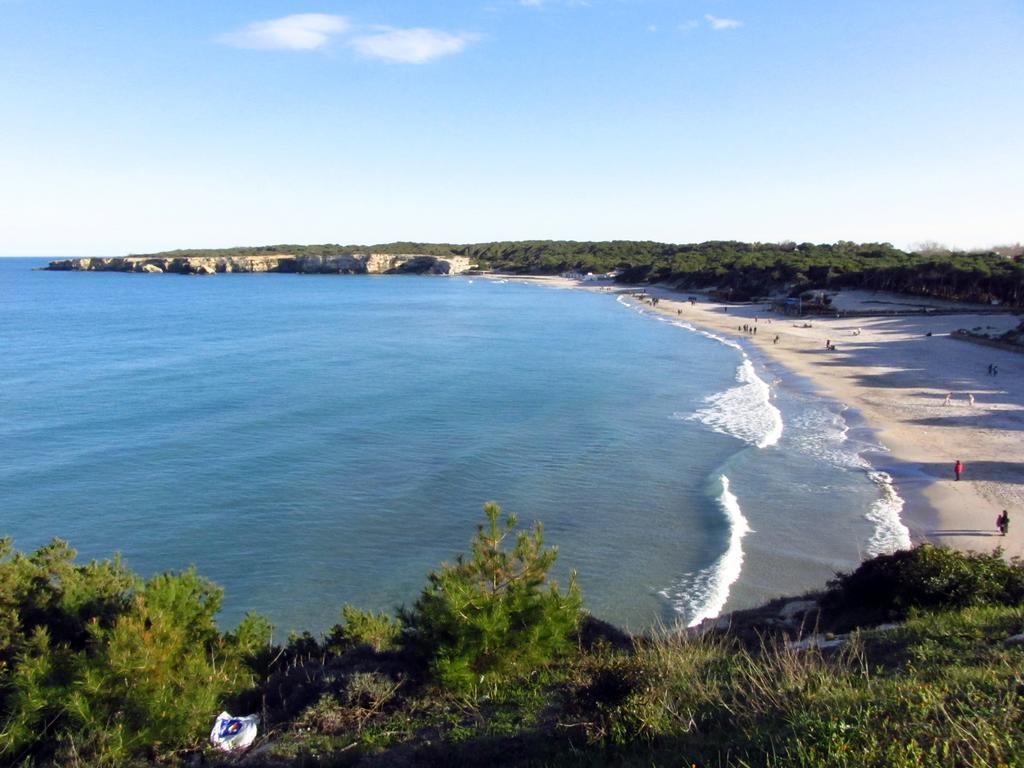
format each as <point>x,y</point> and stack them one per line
<point>307,441</point>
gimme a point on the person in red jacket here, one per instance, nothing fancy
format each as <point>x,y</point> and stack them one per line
<point>958,468</point>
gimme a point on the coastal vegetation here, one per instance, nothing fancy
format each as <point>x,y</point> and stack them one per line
<point>740,271</point>
<point>495,665</point>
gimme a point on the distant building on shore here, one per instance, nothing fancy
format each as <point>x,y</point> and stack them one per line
<point>589,276</point>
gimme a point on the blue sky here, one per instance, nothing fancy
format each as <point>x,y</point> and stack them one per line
<point>135,125</point>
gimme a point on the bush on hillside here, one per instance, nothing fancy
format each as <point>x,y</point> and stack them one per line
<point>377,630</point>
<point>888,587</point>
<point>495,614</point>
<point>97,666</point>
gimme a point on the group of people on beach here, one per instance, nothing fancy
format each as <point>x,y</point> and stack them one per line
<point>993,370</point>
<point>745,328</point>
<point>646,298</point>
<point>1003,519</point>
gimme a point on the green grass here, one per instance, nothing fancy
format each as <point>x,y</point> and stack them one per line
<point>943,689</point>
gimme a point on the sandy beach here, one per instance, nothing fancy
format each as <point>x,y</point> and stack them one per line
<point>897,377</point>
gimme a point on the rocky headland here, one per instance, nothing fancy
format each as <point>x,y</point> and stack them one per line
<point>342,264</point>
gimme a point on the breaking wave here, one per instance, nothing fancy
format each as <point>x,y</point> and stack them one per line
<point>745,412</point>
<point>702,594</point>
<point>890,533</point>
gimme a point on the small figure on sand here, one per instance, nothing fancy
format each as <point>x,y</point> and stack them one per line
<point>1003,523</point>
<point>970,399</point>
<point>949,399</point>
<point>958,468</point>
<point>776,339</point>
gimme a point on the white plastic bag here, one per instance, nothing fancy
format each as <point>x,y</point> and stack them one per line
<point>233,733</point>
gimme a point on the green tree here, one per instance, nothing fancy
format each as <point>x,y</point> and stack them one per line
<point>495,614</point>
<point>98,667</point>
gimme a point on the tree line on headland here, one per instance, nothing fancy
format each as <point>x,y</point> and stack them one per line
<point>741,271</point>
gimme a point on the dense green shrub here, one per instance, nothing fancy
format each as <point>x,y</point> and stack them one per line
<point>98,668</point>
<point>495,614</point>
<point>102,668</point>
<point>377,630</point>
<point>886,588</point>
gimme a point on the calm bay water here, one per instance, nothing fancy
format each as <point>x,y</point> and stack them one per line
<point>307,441</point>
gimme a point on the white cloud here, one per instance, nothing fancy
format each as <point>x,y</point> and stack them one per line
<point>411,46</point>
<point>718,23</point>
<point>300,32</point>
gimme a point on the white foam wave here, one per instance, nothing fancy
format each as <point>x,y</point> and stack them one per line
<point>822,433</point>
<point>702,595</point>
<point>708,334</point>
<point>640,309</point>
<point>890,533</point>
<point>745,412</point>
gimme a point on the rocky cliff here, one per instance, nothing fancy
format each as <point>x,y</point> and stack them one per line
<point>344,264</point>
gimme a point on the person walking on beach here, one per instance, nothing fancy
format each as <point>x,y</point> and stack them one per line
<point>970,399</point>
<point>1003,523</point>
<point>948,399</point>
<point>958,468</point>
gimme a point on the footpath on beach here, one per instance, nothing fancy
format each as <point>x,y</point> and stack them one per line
<point>931,399</point>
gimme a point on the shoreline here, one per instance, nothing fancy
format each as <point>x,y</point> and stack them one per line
<point>895,376</point>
